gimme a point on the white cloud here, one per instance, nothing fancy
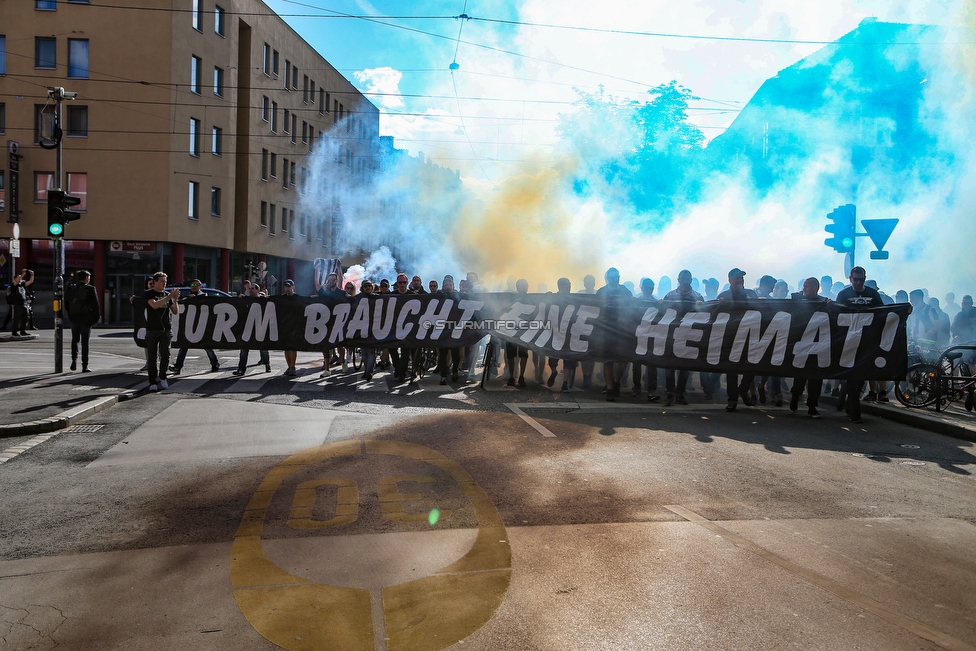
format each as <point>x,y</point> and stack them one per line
<point>386,82</point>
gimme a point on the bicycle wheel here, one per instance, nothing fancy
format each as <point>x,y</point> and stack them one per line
<point>960,385</point>
<point>357,358</point>
<point>918,387</point>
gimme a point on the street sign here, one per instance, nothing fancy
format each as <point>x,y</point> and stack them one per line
<point>13,215</point>
<point>879,230</point>
<point>14,248</point>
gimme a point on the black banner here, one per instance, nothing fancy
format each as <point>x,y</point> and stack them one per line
<point>785,338</point>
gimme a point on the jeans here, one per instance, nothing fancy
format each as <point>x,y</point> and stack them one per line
<point>157,348</point>
<point>80,333</point>
<point>651,376</point>
<point>669,383</point>
<point>242,362</point>
<point>180,356</point>
<point>737,389</point>
<point>442,364</point>
<point>814,388</point>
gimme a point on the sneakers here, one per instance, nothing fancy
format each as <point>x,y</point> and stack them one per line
<point>511,382</point>
<point>669,400</point>
<point>883,397</point>
<point>163,384</point>
<point>367,376</point>
<point>521,381</point>
<point>731,407</point>
<point>85,369</point>
<point>552,378</point>
<point>565,388</point>
<point>238,372</point>
<point>871,396</point>
<point>267,368</point>
<point>152,387</point>
<point>813,413</point>
<point>443,381</point>
<point>74,365</point>
<point>856,421</point>
<point>680,399</point>
<point>215,368</point>
<point>345,367</point>
<point>290,371</point>
<point>653,397</point>
<point>779,401</point>
<point>175,370</point>
<point>325,373</point>
<point>794,403</point>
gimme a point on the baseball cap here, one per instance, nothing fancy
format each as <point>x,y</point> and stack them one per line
<point>736,272</point>
<point>289,283</point>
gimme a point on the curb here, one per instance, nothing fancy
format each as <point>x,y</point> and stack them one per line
<point>62,420</point>
<point>916,417</point>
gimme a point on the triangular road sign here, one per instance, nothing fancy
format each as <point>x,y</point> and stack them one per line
<point>879,230</point>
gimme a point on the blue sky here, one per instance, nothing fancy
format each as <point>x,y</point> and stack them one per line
<point>519,62</point>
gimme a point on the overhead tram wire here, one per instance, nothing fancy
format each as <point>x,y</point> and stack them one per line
<point>453,67</point>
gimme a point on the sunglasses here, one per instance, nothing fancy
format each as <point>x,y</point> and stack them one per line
<point>194,284</point>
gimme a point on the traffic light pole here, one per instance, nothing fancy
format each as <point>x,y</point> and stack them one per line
<point>58,95</point>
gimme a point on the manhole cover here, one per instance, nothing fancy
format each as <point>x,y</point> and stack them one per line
<point>909,447</point>
<point>83,429</point>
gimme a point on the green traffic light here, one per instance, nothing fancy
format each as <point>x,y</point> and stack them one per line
<point>847,242</point>
<point>55,229</point>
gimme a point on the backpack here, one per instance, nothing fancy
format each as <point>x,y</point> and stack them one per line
<point>77,304</point>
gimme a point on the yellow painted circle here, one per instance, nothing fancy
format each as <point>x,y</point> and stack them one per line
<point>426,614</point>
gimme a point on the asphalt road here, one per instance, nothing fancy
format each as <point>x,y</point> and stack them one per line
<point>329,514</point>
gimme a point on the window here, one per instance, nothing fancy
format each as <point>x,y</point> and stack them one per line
<point>286,121</point>
<point>311,138</point>
<point>78,187</point>
<point>219,20</point>
<point>273,165</point>
<point>284,173</point>
<point>197,15</point>
<point>267,59</point>
<point>193,205</point>
<point>274,63</point>
<point>218,81</point>
<point>305,89</point>
<point>264,214</point>
<point>311,92</point>
<point>215,202</point>
<point>43,181</point>
<point>284,219</point>
<point>271,219</point>
<point>196,69</point>
<point>322,103</point>
<point>3,55</point>
<point>328,101</point>
<point>47,5</point>
<point>217,143</point>
<point>77,121</point>
<point>294,126</point>
<point>304,131</point>
<point>291,176</point>
<point>266,109</point>
<point>45,52</point>
<point>287,73</point>
<point>194,137</point>
<point>304,179</point>
<point>78,58</point>
<point>3,118</point>
<point>294,77</point>
<point>264,164</point>
<point>274,117</point>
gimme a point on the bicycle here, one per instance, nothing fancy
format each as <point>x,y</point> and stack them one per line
<point>959,382</point>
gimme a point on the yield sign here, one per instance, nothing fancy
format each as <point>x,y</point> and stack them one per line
<point>879,230</point>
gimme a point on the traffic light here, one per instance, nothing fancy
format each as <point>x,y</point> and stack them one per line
<point>844,227</point>
<point>58,203</point>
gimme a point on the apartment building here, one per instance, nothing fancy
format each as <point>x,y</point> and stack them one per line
<point>208,139</point>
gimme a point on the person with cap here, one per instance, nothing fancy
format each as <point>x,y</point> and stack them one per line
<point>196,292</point>
<point>813,386</point>
<point>647,294</point>
<point>290,355</point>
<point>775,384</point>
<point>857,297</point>
<point>737,293</point>
<point>83,312</point>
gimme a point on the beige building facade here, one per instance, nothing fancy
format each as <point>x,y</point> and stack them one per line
<point>208,139</point>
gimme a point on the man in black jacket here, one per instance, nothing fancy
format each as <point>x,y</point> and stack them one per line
<point>83,312</point>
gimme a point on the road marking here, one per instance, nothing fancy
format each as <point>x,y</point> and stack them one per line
<point>528,419</point>
<point>908,623</point>
<point>427,613</point>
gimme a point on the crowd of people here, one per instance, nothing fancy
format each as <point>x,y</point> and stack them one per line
<point>932,325</point>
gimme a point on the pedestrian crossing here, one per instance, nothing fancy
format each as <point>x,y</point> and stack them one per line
<point>310,380</point>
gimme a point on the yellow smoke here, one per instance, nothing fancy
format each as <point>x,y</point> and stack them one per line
<point>531,227</point>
